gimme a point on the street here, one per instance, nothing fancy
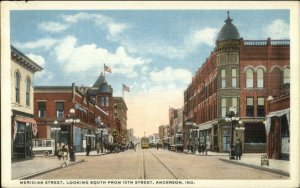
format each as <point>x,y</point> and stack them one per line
<point>156,164</point>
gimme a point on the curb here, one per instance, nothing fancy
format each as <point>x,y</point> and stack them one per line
<point>92,155</point>
<point>276,171</point>
<point>45,171</point>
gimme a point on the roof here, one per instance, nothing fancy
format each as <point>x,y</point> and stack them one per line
<point>24,60</point>
<point>99,81</point>
<point>228,31</point>
<point>100,86</point>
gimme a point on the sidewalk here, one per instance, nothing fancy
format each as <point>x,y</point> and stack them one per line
<point>37,165</point>
<point>92,153</point>
<point>281,167</point>
<point>253,160</point>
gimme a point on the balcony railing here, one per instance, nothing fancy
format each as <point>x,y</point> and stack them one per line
<point>265,42</point>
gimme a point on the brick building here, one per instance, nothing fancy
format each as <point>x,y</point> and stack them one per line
<point>161,134</point>
<point>172,117</point>
<point>92,105</point>
<point>23,125</point>
<point>240,74</point>
<point>120,110</point>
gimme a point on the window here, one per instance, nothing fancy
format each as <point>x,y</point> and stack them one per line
<point>42,109</point>
<point>107,101</point>
<point>223,105</point>
<point>286,76</point>
<point>234,104</point>
<point>260,78</point>
<point>102,101</point>
<point>250,107</point>
<point>260,106</point>
<point>223,80</point>
<point>59,109</point>
<point>18,87</point>
<point>249,78</point>
<point>233,77</point>
<point>28,83</point>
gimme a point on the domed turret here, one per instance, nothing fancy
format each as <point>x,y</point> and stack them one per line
<point>228,31</point>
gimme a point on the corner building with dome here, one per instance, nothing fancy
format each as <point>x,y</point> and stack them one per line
<point>240,76</point>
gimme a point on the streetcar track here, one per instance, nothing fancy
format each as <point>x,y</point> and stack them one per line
<point>161,162</point>
<point>144,169</point>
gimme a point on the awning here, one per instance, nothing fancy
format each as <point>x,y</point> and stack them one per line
<point>207,125</point>
<point>279,113</point>
<point>25,119</point>
<point>89,135</point>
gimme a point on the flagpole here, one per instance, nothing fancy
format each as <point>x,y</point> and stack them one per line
<point>104,70</point>
<point>123,91</point>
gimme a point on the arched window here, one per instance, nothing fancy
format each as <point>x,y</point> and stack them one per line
<point>18,77</point>
<point>249,78</point>
<point>286,76</point>
<point>28,84</point>
<point>260,78</point>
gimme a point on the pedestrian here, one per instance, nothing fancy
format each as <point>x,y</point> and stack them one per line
<point>88,149</point>
<point>59,153</point>
<point>98,148</point>
<point>202,148</point>
<point>71,149</point>
<point>238,150</point>
<point>64,151</point>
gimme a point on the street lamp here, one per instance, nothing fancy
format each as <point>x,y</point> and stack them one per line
<point>231,117</point>
<point>55,128</point>
<point>100,127</point>
<point>71,119</point>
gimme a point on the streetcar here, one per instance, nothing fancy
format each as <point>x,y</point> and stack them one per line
<point>145,142</point>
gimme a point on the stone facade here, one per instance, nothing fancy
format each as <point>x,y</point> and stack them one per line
<point>23,125</point>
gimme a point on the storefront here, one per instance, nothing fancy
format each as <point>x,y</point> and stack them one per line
<point>23,129</point>
<point>277,126</point>
<point>205,133</point>
<point>255,137</point>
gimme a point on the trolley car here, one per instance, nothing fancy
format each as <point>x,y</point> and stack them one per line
<point>145,142</point>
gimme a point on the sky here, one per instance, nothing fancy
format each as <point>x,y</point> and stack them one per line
<point>154,52</point>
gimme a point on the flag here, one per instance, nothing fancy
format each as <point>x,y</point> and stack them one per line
<point>125,88</point>
<point>107,69</point>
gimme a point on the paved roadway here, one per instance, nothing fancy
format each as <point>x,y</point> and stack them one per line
<point>156,164</point>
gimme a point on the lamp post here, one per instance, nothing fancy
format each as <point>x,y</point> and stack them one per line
<point>194,130</point>
<point>102,128</point>
<point>231,117</point>
<point>71,119</point>
<point>55,128</point>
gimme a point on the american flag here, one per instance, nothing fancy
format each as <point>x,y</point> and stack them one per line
<point>125,88</point>
<point>107,69</point>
